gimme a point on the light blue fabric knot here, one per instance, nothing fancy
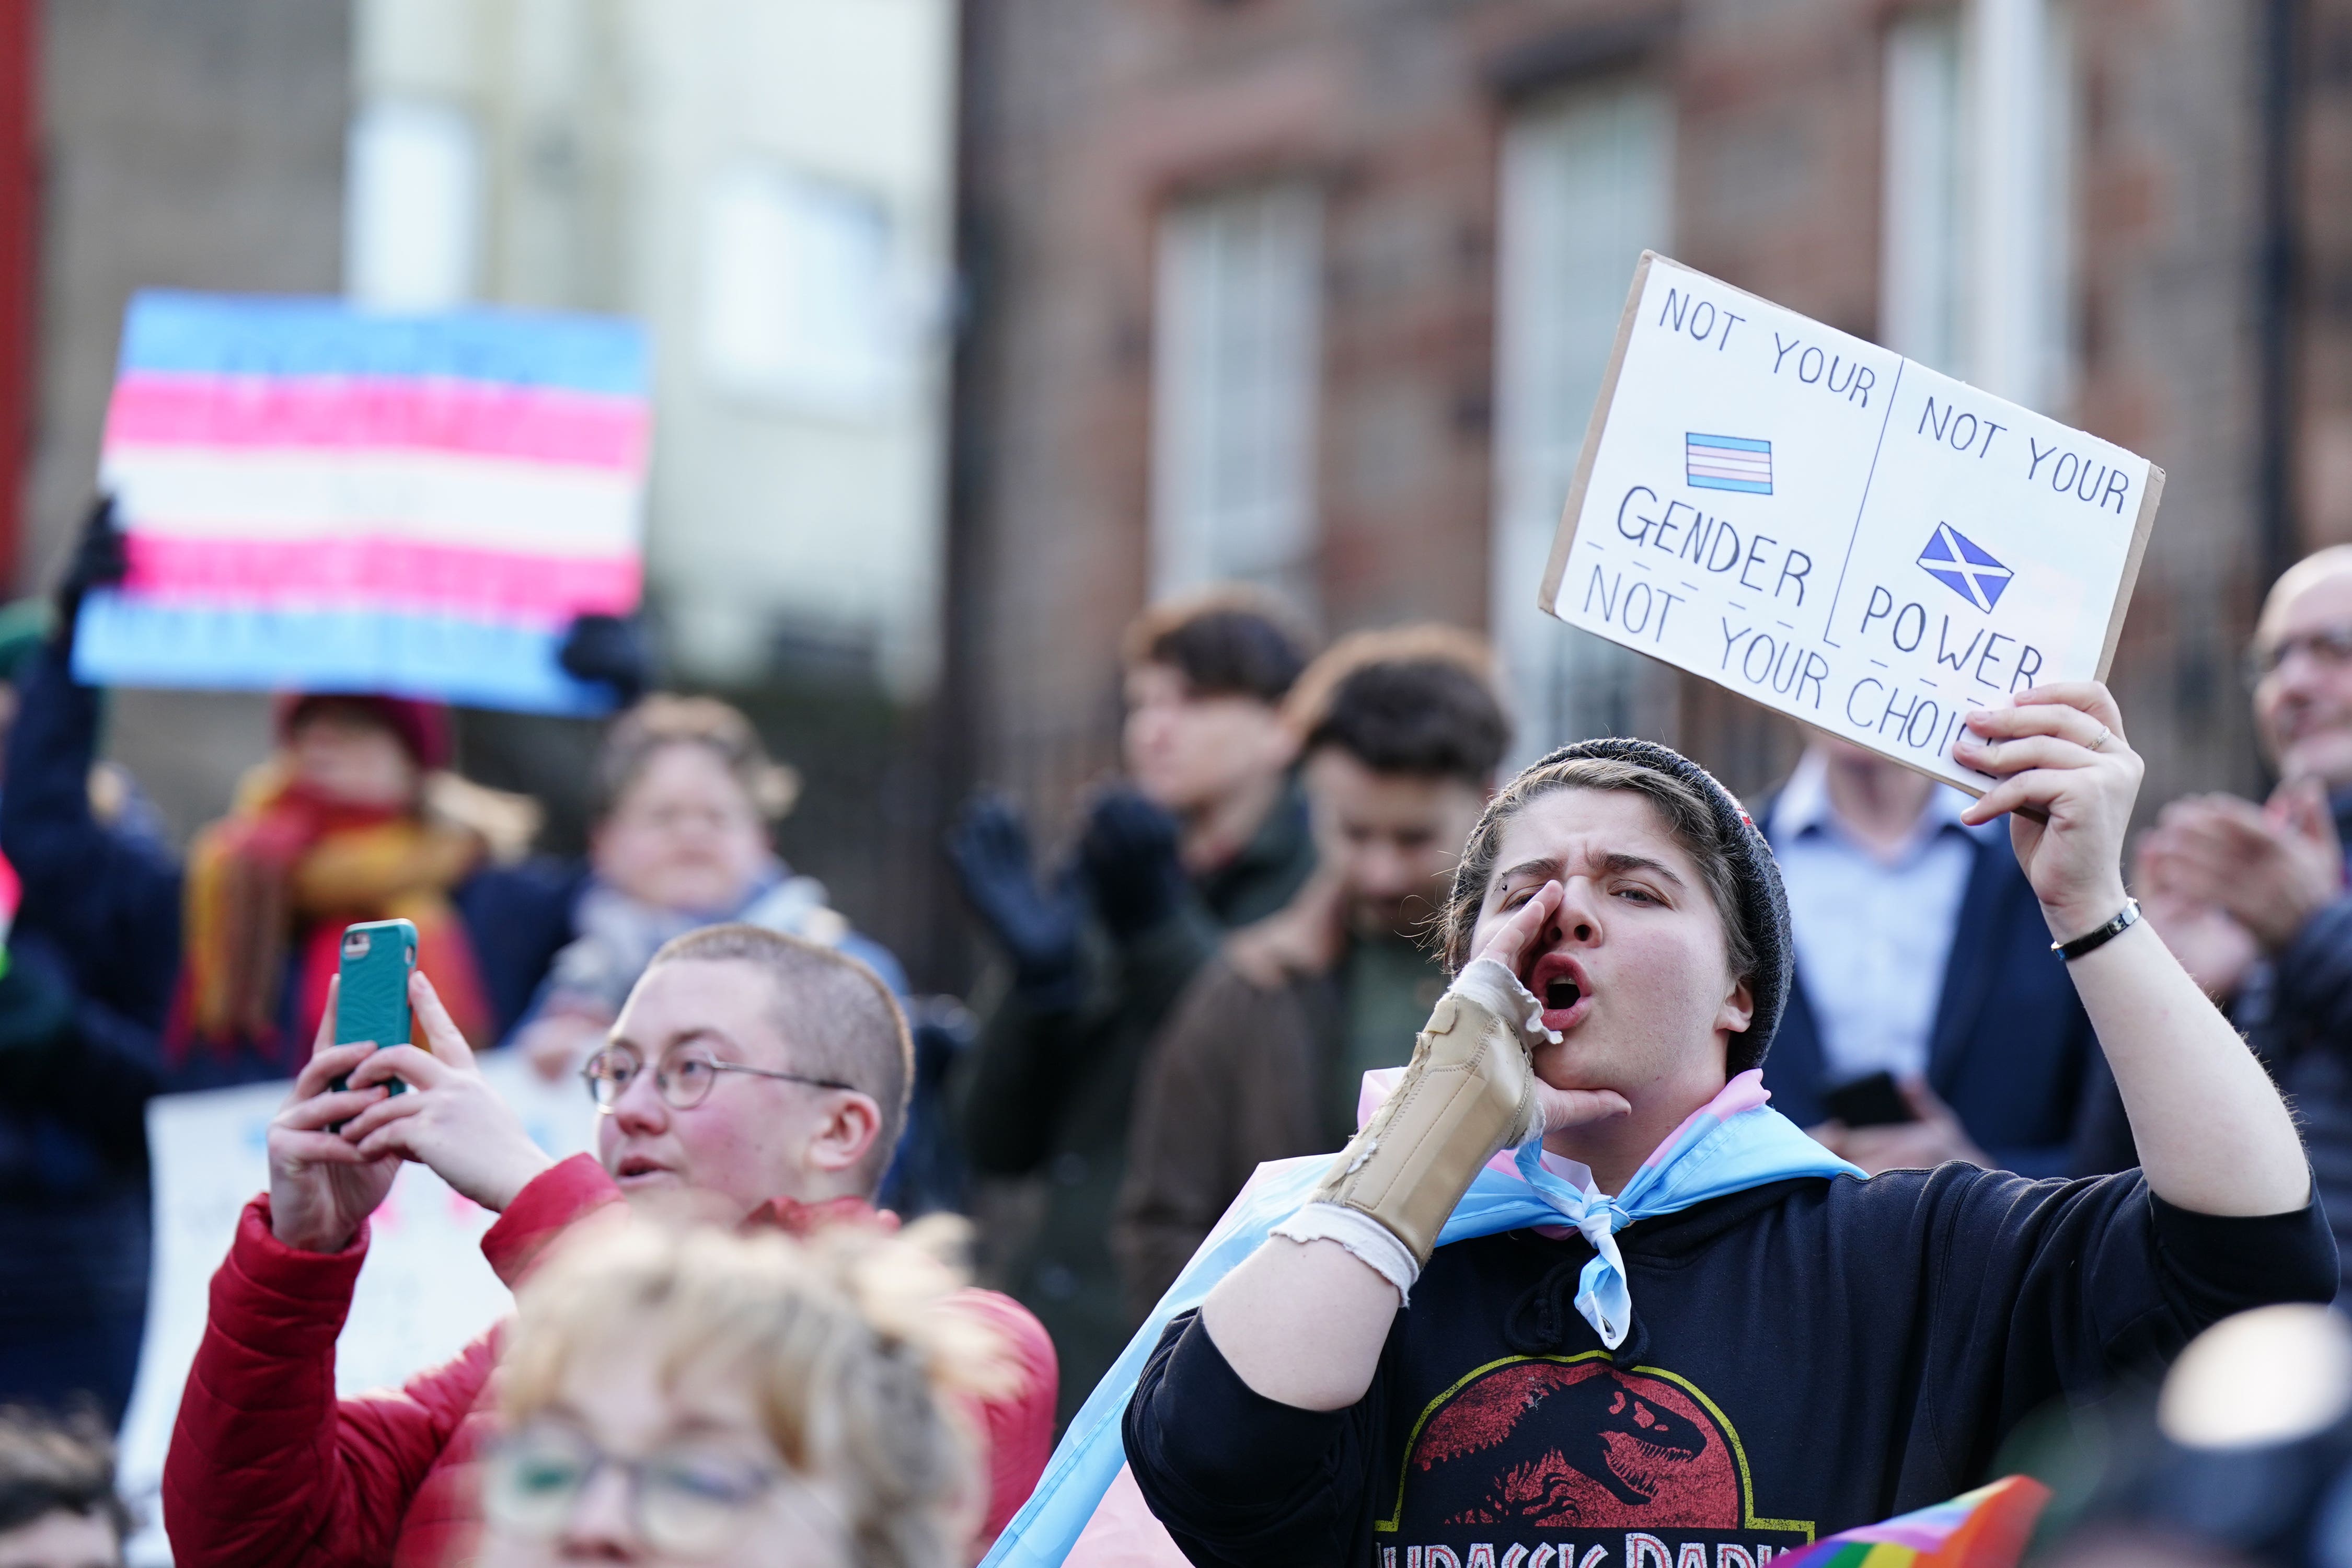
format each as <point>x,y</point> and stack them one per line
<point>1736,1142</point>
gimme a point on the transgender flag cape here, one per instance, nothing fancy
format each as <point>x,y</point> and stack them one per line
<point>1734,1143</point>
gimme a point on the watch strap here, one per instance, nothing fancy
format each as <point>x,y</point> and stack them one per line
<point>2092,940</point>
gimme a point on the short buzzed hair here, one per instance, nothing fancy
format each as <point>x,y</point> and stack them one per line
<point>838,1016</point>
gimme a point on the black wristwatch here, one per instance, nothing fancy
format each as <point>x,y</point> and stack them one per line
<point>2092,940</point>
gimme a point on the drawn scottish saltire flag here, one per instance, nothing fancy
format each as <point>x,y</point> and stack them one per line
<point>332,499</point>
<point>1962,566</point>
<point>1727,463</point>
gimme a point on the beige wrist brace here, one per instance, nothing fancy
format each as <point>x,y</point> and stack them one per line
<point>1468,1093</point>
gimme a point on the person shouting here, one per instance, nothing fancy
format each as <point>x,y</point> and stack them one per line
<point>1718,1343</point>
<point>751,1077</point>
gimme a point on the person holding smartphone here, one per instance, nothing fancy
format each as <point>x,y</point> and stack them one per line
<point>753,1078</point>
<point>1723,1347</point>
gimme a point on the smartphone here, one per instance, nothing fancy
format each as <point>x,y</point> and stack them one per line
<point>371,1002</point>
<point>1873,1102</point>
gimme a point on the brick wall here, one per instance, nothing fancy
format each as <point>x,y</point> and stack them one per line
<point>1087,116</point>
<point>2324,441</point>
<point>182,146</point>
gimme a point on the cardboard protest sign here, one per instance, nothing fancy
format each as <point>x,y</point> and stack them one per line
<point>424,1291</point>
<point>333,500</point>
<point>1839,533</point>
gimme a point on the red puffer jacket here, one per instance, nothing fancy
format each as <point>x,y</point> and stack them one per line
<point>268,1469</point>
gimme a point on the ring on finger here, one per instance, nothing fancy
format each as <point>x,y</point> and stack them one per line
<point>2106,736</point>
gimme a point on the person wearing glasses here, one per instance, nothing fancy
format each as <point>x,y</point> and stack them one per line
<point>689,1396</point>
<point>686,798</point>
<point>2252,899</point>
<point>752,1077</point>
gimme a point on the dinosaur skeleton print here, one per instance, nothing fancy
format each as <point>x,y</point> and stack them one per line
<point>1572,1462</point>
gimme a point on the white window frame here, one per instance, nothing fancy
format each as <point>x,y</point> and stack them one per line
<point>412,204</point>
<point>1977,251</point>
<point>805,298</point>
<point>1587,185</point>
<point>1237,372</point>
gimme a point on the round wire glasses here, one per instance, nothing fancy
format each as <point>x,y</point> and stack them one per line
<point>683,1078</point>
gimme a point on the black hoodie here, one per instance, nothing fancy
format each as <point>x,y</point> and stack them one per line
<point>1806,1356</point>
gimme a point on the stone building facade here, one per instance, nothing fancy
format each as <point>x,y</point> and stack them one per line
<point>2316,62</point>
<point>1456,193</point>
<point>177,146</point>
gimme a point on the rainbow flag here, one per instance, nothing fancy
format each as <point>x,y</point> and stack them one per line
<point>1987,1528</point>
<point>324,498</point>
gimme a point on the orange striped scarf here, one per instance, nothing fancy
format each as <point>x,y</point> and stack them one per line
<point>277,880</point>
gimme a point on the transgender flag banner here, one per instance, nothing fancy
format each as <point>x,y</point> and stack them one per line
<point>326,498</point>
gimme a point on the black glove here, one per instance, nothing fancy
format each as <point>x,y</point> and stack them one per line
<point>1038,927</point>
<point>611,650</point>
<point>1130,856</point>
<point>99,560</point>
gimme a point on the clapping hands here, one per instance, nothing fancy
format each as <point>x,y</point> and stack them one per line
<point>2222,879</point>
<point>1037,926</point>
<point>2270,867</point>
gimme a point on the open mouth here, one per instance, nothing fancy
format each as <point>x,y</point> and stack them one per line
<point>1560,983</point>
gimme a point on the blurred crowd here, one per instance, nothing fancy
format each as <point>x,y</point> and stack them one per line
<point>1243,932</point>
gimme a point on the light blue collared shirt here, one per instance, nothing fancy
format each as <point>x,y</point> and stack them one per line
<point>1872,936</point>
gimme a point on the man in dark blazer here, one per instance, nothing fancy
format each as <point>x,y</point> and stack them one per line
<point>1922,954</point>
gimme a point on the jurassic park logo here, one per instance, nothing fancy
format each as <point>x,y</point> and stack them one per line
<point>1574,1462</point>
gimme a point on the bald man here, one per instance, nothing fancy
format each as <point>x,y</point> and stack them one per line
<point>2252,899</point>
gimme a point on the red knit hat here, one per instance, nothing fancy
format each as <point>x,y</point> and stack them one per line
<point>421,727</point>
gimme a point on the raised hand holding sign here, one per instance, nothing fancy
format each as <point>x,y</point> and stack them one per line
<point>1839,533</point>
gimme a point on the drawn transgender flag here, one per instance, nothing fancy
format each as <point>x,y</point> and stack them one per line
<point>333,500</point>
<point>1727,463</point>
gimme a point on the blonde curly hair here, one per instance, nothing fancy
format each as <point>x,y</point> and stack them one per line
<point>859,1375</point>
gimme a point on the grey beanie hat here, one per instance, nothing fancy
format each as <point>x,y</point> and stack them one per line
<point>1763,903</point>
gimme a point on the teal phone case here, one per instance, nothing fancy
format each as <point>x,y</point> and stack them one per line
<point>372,1001</point>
